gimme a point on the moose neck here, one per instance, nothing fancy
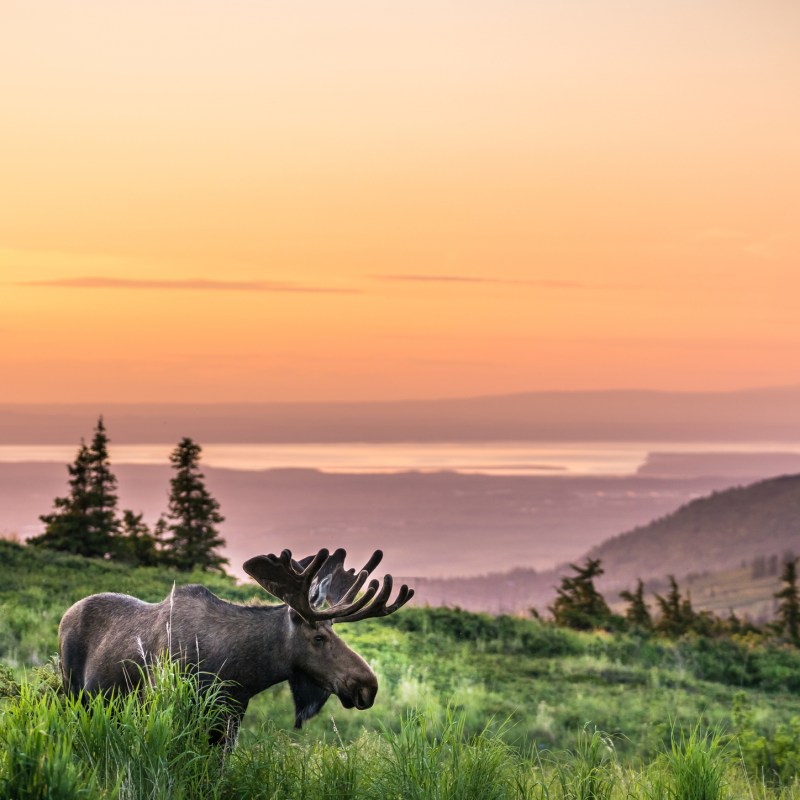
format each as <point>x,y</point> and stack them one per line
<point>269,647</point>
<point>263,655</point>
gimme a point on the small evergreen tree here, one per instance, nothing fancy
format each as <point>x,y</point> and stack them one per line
<point>192,516</point>
<point>66,527</point>
<point>637,614</point>
<point>136,544</point>
<point>677,615</point>
<point>732,622</point>
<point>579,605</point>
<point>789,602</point>
<point>85,522</point>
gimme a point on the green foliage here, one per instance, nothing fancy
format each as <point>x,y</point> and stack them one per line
<point>36,762</point>
<point>578,604</point>
<point>86,522</point>
<point>136,544</point>
<point>157,746</point>
<point>637,614</point>
<point>769,749</point>
<point>102,523</point>
<point>697,764</point>
<point>677,615</point>
<point>192,516</point>
<point>500,634</point>
<point>789,606</point>
<point>8,685</point>
<point>67,528</point>
<point>590,771</point>
<point>442,761</point>
<point>152,745</point>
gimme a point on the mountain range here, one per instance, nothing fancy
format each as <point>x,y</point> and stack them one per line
<point>711,544</point>
<point>624,415</point>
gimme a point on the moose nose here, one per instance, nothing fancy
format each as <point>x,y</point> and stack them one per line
<point>363,691</point>
<point>365,696</point>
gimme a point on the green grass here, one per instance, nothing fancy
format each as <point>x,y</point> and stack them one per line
<point>469,705</point>
<point>157,746</point>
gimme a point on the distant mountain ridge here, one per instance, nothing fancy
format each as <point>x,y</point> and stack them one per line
<point>724,532</point>
<point>711,533</point>
<point>747,466</point>
<point>622,415</point>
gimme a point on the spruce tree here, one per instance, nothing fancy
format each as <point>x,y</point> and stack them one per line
<point>66,527</point>
<point>789,606</point>
<point>102,522</point>
<point>136,544</point>
<point>637,613</point>
<point>85,522</point>
<point>677,615</point>
<point>192,515</point>
<point>579,605</point>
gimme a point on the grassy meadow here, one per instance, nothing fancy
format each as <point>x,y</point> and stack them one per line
<point>469,706</point>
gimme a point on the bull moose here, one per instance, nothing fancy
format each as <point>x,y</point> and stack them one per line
<point>107,640</point>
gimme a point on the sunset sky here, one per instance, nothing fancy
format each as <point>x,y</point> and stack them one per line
<point>224,201</point>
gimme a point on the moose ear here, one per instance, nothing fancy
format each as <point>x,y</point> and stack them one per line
<point>308,698</point>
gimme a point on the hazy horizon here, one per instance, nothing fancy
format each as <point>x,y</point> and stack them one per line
<point>752,416</point>
<point>408,399</point>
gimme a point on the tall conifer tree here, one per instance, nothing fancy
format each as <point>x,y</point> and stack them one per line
<point>66,526</point>
<point>102,522</point>
<point>85,522</point>
<point>193,514</point>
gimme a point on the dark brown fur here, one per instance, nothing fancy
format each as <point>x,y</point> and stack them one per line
<point>106,639</point>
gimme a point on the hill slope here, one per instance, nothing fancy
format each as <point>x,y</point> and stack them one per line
<point>712,533</point>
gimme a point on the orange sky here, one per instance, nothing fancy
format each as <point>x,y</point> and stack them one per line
<point>218,201</point>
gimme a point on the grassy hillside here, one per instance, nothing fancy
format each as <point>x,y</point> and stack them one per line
<point>710,533</point>
<point>535,691</point>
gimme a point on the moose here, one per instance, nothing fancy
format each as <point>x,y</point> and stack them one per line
<point>107,641</point>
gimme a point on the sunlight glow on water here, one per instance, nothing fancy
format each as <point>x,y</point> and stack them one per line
<point>488,458</point>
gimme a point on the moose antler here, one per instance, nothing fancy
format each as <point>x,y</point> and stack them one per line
<point>333,580</point>
<point>297,582</point>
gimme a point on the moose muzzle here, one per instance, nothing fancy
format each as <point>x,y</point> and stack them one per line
<point>360,693</point>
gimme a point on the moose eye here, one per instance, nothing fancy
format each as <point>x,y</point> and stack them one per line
<point>319,639</point>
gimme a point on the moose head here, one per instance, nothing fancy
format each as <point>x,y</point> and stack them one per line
<point>318,591</point>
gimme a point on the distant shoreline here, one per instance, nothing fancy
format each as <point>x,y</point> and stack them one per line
<point>567,459</point>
